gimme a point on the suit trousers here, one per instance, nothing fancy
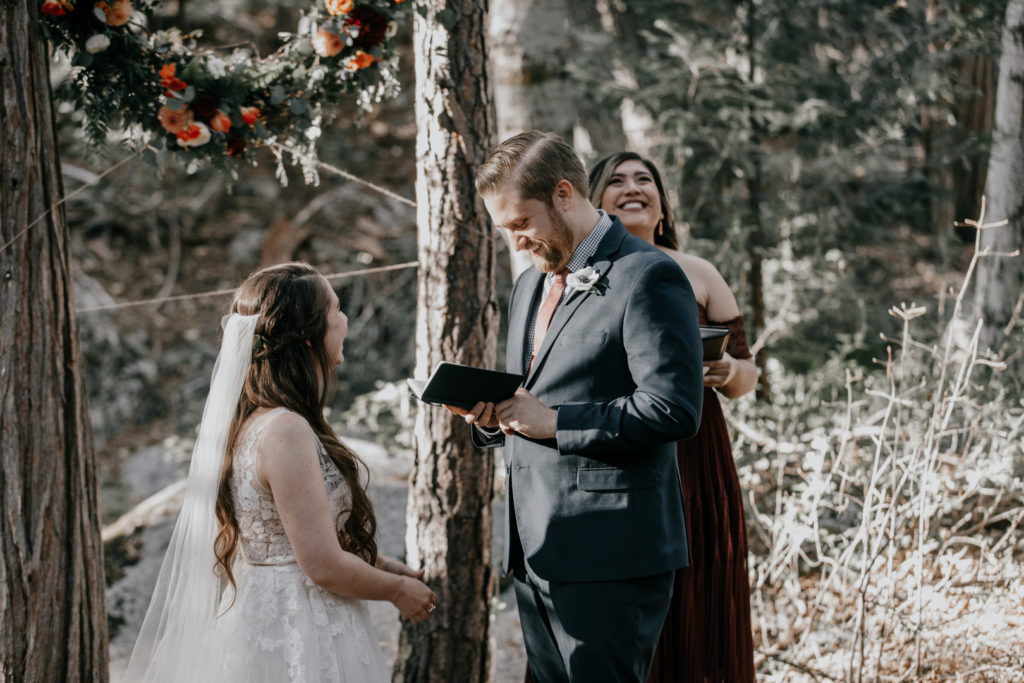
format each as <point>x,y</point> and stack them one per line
<point>591,631</point>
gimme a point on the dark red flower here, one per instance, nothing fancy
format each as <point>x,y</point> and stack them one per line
<point>371,25</point>
<point>236,146</point>
<point>204,107</point>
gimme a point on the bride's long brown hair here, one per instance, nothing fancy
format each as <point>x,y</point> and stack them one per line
<point>291,368</point>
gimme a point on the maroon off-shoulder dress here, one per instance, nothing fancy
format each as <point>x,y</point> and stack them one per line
<point>707,634</point>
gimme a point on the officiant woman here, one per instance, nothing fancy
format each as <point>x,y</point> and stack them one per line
<point>707,634</point>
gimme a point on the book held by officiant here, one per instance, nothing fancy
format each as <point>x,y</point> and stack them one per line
<point>464,385</point>
<point>713,340</point>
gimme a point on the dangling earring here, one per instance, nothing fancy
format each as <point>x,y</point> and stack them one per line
<point>661,226</point>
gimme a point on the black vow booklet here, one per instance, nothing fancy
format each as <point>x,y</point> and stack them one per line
<point>464,385</point>
<point>713,340</point>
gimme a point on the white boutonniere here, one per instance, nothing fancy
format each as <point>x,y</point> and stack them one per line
<point>584,280</point>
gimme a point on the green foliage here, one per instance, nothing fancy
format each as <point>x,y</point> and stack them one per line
<point>801,130</point>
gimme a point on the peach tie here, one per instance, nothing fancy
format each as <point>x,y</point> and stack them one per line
<point>547,312</point>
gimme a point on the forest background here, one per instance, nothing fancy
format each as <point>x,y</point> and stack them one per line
<point>828,157</point>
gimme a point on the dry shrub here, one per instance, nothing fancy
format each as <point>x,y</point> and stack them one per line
<point>886,526</point>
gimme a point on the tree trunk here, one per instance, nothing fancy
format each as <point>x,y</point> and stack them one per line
<point>1000,283</point>
<point>974,115</point>
<point>528,44</point>
<point>529,51</point>
<point>756,239</point>
<point>532,45</point>
<point>52,614</point>
<point>935,138</point>
<point>451,489</point>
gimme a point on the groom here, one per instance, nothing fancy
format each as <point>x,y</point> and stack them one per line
<point>604,327</point>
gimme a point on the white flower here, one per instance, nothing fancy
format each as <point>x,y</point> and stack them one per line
<point>202,136</point>
<point>584,280</point>
<point>97,43</point>
<point>216,65</point>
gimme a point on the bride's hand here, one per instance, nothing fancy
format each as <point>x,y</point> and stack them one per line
<point>394,566</point>
<point>414,600</point>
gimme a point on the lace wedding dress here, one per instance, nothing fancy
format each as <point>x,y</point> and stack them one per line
<point>282,626</point>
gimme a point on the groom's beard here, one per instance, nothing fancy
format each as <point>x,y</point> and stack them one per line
<point>556,251</point>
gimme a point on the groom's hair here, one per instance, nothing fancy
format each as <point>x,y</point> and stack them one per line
<point>532,163</point>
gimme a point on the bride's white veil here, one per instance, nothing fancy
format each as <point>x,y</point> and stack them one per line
<point>178,637</point>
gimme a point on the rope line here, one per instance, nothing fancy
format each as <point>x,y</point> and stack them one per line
<point>63,199</point>
<point>348,176</point>
<point>277,148</point>
<point>223,292</point>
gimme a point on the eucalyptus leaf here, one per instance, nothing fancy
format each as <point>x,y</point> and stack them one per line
<point>277,95</point>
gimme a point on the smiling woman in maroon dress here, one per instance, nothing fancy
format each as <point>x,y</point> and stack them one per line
<point>707,634</point>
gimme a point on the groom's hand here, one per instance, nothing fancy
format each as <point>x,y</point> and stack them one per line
<point>482,414</point>
<point>525,414</point>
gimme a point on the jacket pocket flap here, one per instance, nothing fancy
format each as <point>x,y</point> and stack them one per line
<point>615,479</point>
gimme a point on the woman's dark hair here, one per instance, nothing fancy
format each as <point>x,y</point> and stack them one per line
<point>291,368</point>
<point>601,175</point>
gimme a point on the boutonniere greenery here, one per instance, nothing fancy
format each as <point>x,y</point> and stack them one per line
<point>585,280</point>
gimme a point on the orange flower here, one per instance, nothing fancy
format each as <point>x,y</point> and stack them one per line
<point>118,12</point>
<point>220,122</point>
<point>327,44</point>
<point>360,61</point>
<point>174,120</point>
<point>399,2</point>
<point>56,8</point>
<point>336,7</point>
<point>250,115</point>
<point>168,80</point>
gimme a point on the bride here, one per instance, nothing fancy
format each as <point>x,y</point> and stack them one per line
<point>274,552</point>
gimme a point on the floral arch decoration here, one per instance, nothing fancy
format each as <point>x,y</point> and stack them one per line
<point>205,107</point>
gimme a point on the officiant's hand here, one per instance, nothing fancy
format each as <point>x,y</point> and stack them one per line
<point>525,414</point>
<point>482,414</point>
<point>719,372</point>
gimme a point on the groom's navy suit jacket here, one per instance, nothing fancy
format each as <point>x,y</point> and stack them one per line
<point>623,368</point>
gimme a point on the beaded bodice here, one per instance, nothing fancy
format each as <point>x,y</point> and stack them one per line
<point>262,537</point>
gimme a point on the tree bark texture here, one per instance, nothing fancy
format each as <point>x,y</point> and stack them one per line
<point>448,520</point>
<point>52,614</point>
<point>1000,284</point>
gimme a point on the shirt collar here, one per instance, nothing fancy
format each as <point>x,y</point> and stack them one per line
<point>588,247</point>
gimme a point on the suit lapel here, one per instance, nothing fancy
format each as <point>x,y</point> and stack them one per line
<point>602,263</point>
<point>529,290</point>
